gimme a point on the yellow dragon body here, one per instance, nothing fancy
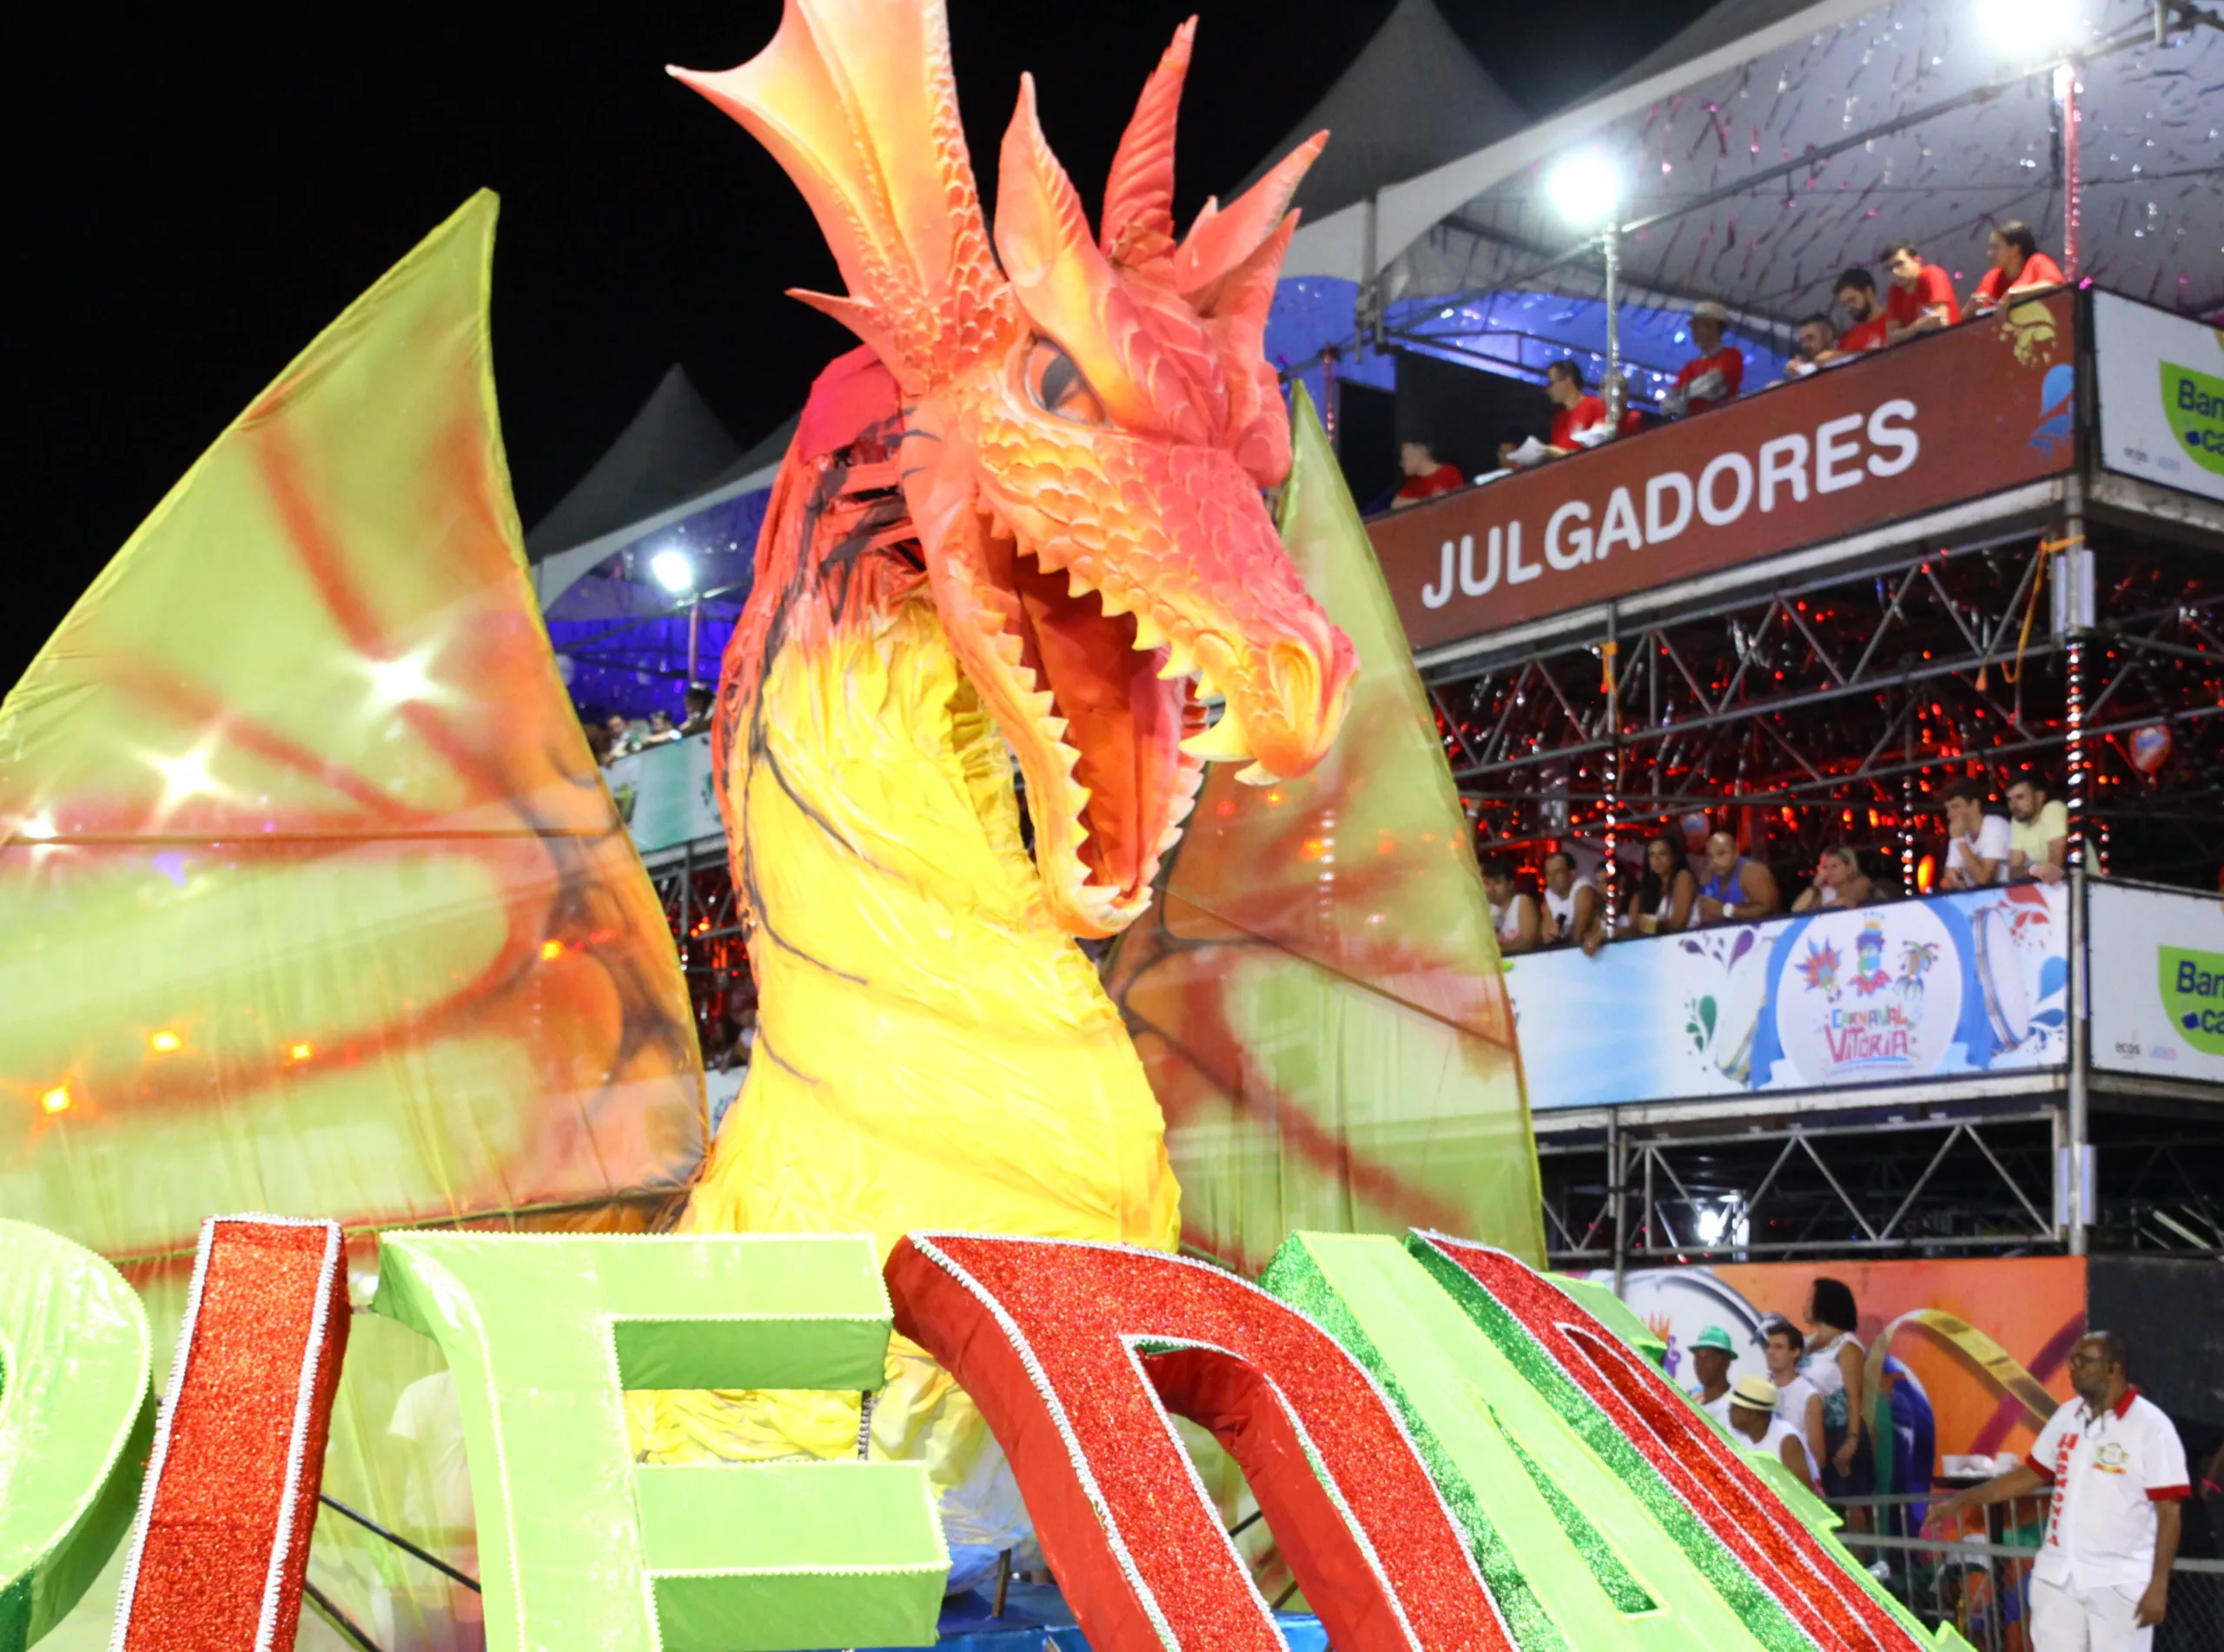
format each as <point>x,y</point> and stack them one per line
<point>1025,522</point>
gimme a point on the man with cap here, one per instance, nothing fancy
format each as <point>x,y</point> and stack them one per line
<point>1715,376</point>
<point>1752,1416</point>
<point>1711,1354</point>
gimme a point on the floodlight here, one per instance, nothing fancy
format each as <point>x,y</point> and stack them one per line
<point>1585,188</point>
<point>2030,31</point>
<point>674,569</point>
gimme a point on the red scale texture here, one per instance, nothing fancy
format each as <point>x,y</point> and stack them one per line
<point>212,1520</point>
<point>1735,1503</point>
<point>1075,1307</point>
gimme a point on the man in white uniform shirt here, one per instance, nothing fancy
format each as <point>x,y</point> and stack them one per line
<point>2102,1582</point>
<point>1798,1401</point>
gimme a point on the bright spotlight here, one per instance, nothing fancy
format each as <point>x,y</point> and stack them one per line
<point>1585,188</point>
<point>2029,29</point>
<point>674,570</point>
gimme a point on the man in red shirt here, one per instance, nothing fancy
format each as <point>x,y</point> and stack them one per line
<point>1580,412</point>
<point>1425,477</point>
<point>2018,266</point>
<point>1865,324</point>
<point>1719,370</point>
<point>1922,299</point>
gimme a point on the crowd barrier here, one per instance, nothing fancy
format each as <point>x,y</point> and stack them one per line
<point>1936,988</point>
<point>1980,1581</point>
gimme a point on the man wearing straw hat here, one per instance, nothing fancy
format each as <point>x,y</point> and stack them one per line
<point>1752,1415</point>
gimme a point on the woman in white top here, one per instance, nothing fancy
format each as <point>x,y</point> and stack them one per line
<point>1513,913</point>
<point>1663,901</point>
<point>1837,1365</point>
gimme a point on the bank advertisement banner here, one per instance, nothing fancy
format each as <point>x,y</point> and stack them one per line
<point>2161,383</point>
<point>1949,984</point>
<point>664,793</point>
<point>2158,981</point>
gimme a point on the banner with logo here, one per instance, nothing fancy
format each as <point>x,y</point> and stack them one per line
<point>1971,982</point>
<point>2161,384</point>
<point>1984,406</point>
<point>2158,981</point>
<point>663,792</point>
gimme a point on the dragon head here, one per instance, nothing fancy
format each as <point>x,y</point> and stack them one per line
<point>1088,427</point>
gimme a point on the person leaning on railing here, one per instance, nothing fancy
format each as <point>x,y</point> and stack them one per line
<point>1665,896</point>
<point>2018,266</point>
<point>1839,881</point>
<point>2117,1474</point>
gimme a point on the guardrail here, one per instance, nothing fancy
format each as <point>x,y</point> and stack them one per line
<point>1981,1584</point>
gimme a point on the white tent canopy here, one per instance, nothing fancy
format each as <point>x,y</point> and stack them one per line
<point>1773,143</point>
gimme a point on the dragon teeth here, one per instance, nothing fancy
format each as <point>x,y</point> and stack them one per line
<point>1256,774</point>
<point>1150,636</point>
<point>1181,661</point>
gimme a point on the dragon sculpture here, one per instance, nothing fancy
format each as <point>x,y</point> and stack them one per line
<point>1026,519</point>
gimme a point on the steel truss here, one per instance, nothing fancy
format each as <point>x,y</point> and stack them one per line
<point>1828,705</point>
<point>696,889</point>
<point>1968,1183</point>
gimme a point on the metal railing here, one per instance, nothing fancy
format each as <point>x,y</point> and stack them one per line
<point>1979,1580</point>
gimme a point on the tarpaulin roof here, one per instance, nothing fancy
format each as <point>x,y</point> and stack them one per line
<point>1771,144</point>
<point>672,449</point>
<point>1413,98</point>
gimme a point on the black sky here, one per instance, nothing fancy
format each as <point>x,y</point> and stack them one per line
<point>196,191</point>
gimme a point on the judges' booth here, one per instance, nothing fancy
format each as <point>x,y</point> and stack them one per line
<point>1799,618</point>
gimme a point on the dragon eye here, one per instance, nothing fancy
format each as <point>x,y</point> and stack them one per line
<point>1056,386</point>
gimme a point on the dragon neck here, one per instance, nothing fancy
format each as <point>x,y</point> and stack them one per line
<point>933,1050</point>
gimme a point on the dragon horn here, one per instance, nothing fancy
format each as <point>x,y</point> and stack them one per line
<point>1139,193</point>
<point>1221,239</point>
<point>1066,286</point>
<point>857,100</point>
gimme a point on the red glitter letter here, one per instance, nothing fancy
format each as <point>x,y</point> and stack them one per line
<point>1063,1345</point>
<point>222,1537</point>
<point>1555,1342</point>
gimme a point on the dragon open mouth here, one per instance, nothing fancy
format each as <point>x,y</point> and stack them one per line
<point>1108,785</point>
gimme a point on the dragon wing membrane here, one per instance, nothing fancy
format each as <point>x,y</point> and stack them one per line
<point>856,99</point>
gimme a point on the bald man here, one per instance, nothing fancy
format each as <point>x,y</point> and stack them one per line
<point>1737,889</point>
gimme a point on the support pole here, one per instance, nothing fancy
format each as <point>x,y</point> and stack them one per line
<point>2079,1120</point>
<point>1617,1183</point>
<point>1617,392</point>
<point>2065,91</point>
<point>694,639</point>
<point>1610,660</point>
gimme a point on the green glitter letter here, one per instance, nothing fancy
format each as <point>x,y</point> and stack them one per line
<point>76,1416</point>
<point>1574,1554</point>
<point>580,1548</point>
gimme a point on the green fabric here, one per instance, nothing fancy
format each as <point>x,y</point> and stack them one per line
<point>76,1417</point>
<point>543,1332</point>
<point>1610,1310</point>
<point>1317,993</point>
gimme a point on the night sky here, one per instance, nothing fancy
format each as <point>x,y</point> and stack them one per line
<point>195,193</point>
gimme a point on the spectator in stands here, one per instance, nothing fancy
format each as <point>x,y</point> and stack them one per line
<point>1665,896</point>
<point>2018,266</point>
<point>1753,1414</point>
<point>1839,881</point>
<point>1797,1403</point>
<point>698,700</point>
<point>598,736</point>
<point>1737,889</point>
<point>2038,832</point>
<point>1867,325</point>
<point>622,736</point>
<point>1837,1364</point>
<point>1818,347</point>
<point>661,729</point>
<point>1427,476</point>
<point>1711,1354</point>
<point>1716,374</point>
<point>2118,1476</point>
<point>1514,913</point>
<point>1977,843</point>
<point>1571,902</point>
<point>1922,299</point>
<point>1581,420</point>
